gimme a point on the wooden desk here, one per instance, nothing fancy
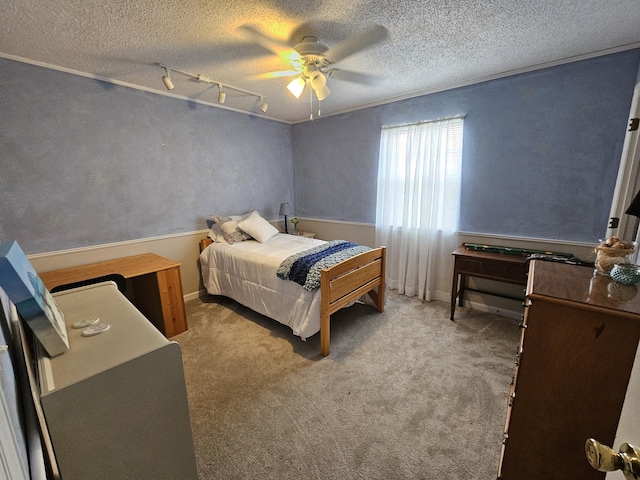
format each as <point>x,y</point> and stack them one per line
<point>492,266</point>
<point>156,283</point>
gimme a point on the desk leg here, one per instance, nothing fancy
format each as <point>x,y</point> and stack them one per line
<point>172,301</point>
<point>158,296</point>
<point>454,290</point>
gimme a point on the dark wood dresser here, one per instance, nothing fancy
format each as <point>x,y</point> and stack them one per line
<point>579,339</point>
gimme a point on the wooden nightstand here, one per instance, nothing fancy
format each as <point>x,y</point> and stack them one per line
<point>156,283</point>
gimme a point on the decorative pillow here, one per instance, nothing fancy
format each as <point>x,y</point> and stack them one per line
<point>215,233</point>
<point>229,226</point>
<point>257,227</point>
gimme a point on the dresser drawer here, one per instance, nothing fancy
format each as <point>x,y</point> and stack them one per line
<point>469,266</point>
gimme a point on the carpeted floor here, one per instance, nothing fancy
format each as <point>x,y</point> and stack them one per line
<point>406,394</point>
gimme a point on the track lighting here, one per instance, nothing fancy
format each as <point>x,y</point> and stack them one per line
<point>167,80</point>
<point>222,94</point>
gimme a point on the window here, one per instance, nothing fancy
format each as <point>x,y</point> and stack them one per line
<point>418,198</point>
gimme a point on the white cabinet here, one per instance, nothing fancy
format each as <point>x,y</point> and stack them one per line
<point>115,403</point>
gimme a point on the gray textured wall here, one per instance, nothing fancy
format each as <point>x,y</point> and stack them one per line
<point>83,162</point>
<point>540,157</point>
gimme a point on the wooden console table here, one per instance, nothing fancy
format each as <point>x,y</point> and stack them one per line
<point>156,283</point>
<point>492,266</point>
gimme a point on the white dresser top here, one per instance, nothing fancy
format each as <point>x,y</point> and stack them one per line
<point>130,335</point>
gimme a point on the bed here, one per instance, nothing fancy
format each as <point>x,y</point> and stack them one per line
<point>246,272</point>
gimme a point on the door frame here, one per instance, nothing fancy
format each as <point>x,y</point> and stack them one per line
<point>627,185</point>
<point>628,181</point>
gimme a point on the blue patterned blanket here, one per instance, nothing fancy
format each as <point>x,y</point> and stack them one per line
<point>304,267</point>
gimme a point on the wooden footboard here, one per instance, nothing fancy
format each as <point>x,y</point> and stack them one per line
<point>346,282</point>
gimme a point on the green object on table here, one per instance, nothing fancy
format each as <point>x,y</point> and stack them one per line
<point>520,252</point>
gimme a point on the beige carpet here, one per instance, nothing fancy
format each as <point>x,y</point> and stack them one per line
<point>406,394</point>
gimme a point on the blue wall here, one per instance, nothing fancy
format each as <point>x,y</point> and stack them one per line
<point>540,155</point>
<point>83,162</point>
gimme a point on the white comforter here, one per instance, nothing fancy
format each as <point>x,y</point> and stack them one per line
<point>246,272</point>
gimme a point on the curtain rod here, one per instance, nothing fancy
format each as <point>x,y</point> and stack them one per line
<point>422,122</point>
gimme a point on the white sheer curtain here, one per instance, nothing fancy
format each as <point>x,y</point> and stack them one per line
<point>418,203</point>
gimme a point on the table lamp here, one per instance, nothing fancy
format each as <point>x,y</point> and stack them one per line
<point>285,210</point>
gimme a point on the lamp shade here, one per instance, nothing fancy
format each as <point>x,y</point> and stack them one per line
<point>285,209</point>
<point>319,84</point>
<point>296,86</point>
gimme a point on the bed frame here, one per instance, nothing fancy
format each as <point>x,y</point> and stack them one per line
<point>344,283</point>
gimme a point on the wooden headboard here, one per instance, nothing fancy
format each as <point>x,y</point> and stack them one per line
<point>204,243</point>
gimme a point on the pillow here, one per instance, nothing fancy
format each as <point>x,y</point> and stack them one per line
<point>229,227</point>
<point>215,233</point>
<point>257,227</point>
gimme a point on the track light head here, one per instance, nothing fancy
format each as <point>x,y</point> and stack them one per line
<point>222,89</point>
<point>167,80</point>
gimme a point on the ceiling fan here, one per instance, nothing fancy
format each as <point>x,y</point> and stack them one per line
<point>312,62</point>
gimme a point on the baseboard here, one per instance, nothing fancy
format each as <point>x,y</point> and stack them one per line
<point>194,295</point>
<point>503,312</point>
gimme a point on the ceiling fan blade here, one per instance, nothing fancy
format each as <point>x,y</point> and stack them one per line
<point>278,74</point>
<point>357,42</point>
<point>354,77</point>
<point>282,49</point>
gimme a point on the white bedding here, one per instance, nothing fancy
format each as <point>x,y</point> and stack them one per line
<point>246,272</point>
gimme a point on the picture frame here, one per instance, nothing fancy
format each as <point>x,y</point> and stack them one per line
<point>32,300</point>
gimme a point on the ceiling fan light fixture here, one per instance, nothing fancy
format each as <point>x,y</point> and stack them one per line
<point>317,80</point>
<point>166,79</point>
<point>319,84</point>
<point>296,86</point>
<point>322,93</point>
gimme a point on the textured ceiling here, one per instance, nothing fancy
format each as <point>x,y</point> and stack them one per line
<point>432,44</point>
